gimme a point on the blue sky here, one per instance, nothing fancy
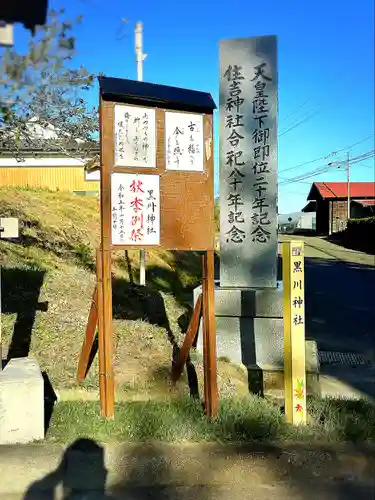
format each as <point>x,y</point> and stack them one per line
<point>326,67</point>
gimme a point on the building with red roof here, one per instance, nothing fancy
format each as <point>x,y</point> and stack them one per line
<point>330,202</point>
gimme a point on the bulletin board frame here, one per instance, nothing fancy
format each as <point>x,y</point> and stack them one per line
<point>186,223</point>
<point>186,197</point>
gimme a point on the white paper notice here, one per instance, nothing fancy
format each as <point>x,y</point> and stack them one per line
<point>135,209</point>
<point>134,136</point>
<point>184,141</point>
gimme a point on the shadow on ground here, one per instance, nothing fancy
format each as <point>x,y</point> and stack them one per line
<point>339,302</point>
<point>136,302</point>
<point>340,315</point>
<point>20,296</point>
<point>146,303</point>
<point>345,241</point>
<point>80,474</point>
<point>208,473</point>
<point>50,399</point>
<point>183,274</point>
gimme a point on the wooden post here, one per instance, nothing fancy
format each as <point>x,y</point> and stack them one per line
<point>209,335</point>
<point>89,336</point>
<point>107,152</point>
<point>179,194</point>
<point>101,348</point>
<point>294,332</point>
<point>1,312</point>
<point>191,333</point>
<point>204,335</point>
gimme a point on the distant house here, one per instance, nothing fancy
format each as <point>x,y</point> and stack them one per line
<point>51,170</point>
<point>329,200</point>
<point>295,222</point>
<point>92,169</point>
<point>48,167</point>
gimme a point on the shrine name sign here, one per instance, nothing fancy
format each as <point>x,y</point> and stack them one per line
<point>157,165</point>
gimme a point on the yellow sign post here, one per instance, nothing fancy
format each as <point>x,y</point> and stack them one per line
<point>294,332</point>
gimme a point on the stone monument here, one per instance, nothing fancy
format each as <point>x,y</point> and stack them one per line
<point>21,402</point>
<point>248,297</point>
<point>21,382</point>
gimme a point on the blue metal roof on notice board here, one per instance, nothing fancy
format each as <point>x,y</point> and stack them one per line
<point>151,94</point>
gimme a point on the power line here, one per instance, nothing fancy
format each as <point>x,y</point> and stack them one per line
<point>296,193</point>
<point>323,169</point>
<point>296,124</point>
<point>294,111</point>
<point>299,182</point>
<point>101,7</point>
<point>320,170</point>
<point>333,153</point>
<point>355,160</point>
<point>111,13</point>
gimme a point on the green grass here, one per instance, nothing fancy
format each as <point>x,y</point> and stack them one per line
<point>48,279</point>
<point>174,420</point>
<point>239,420</point>
<point>344,420</point>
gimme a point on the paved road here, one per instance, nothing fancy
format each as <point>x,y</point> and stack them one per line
<point>346,490</point>
<point>340,296</point>
<point>183,471</point>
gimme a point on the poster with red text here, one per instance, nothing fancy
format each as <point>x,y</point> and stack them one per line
<point>135,209</point>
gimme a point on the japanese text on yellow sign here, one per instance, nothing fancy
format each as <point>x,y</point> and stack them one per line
<point>294,332</point>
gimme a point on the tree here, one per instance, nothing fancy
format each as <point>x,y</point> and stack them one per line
<point>41,96</point>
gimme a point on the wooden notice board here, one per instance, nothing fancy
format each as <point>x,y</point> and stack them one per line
<point>157,191</point>
<point>186,196</point>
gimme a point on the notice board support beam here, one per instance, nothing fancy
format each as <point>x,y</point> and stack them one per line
<point>209,335</point>
<point>156,192</point>
<point>106,156</point>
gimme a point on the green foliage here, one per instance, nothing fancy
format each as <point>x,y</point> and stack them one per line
<point>360,234</point>
<point>84,256</point>
<point>367,221</point>
<point>41,92</point>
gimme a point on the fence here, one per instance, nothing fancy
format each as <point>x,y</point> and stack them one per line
<point>52,178</point>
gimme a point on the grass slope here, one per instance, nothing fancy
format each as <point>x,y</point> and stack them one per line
<point>48,279</point>
<point>47,282</point>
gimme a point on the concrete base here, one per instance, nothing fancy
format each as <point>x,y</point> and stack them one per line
<point>249,325</point>
<point>250,331</point>
<point>247,302</point>
<point>270,382</point>
<point>21,402</point>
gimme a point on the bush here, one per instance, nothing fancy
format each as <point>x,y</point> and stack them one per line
<point>366,222</point>
<point>361,234</point>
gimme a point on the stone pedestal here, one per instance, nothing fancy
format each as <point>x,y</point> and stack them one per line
<point>21,402</point>
<point>250,331</point>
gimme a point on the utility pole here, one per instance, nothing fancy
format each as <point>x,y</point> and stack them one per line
<point>140,57</point>
<point>347,166</point>
<point>348,180</point>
